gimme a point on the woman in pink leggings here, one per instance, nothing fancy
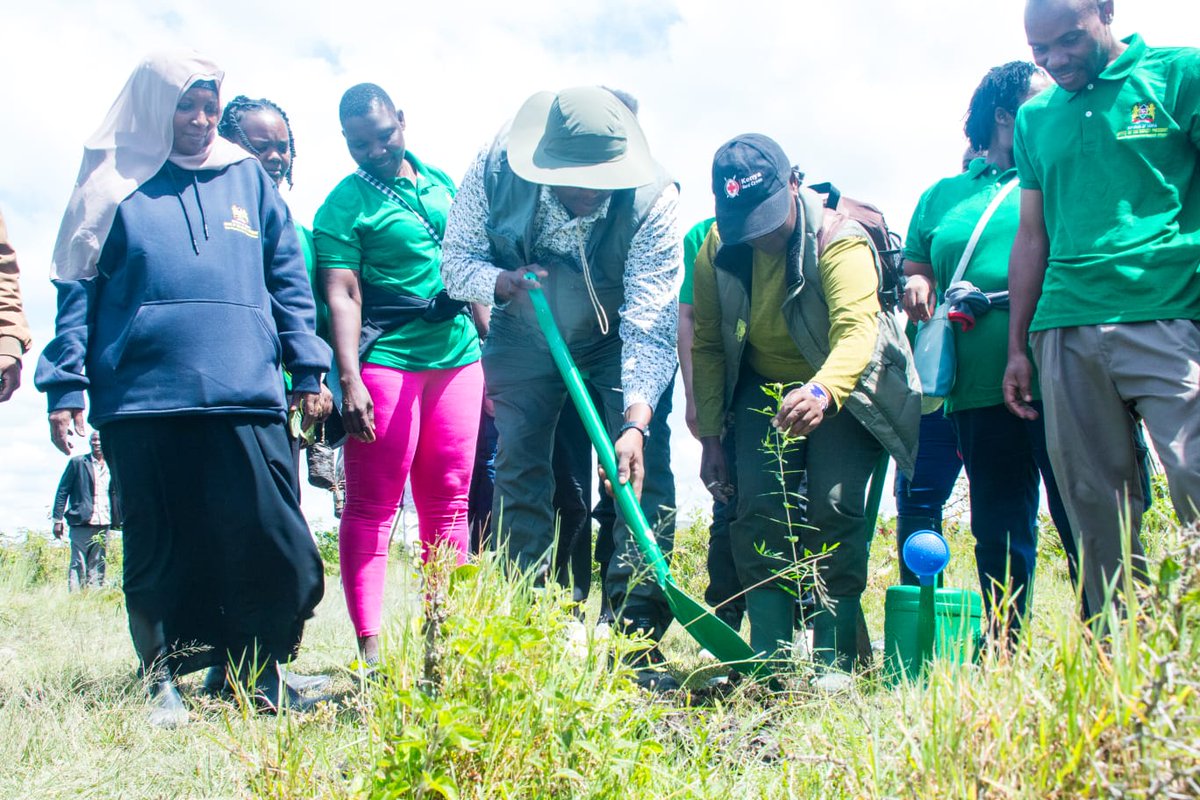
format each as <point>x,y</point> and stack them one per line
<point>407,355</point>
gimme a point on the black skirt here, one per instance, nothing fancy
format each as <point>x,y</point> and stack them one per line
<point>216,548</point>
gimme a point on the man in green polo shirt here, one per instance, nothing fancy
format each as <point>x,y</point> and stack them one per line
<point>1104,271</point>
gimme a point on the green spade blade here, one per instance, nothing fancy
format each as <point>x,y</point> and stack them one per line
<point>703,626</point>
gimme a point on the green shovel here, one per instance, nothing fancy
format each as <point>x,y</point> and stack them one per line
<point>705,627</point>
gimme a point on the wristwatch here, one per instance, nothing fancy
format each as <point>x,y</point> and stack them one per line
<point>633,426</point>
<point>819,393</point>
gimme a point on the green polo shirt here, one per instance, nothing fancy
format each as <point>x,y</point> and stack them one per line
<point>1117,165</point>
<point>692,241</point>
<point>945,218</point>
<point>359,228</point>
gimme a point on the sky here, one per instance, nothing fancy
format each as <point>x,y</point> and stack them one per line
<point>865,93</point>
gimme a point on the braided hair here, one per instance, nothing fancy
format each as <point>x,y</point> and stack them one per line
<point>1003,87</point>
<point>230,126</point>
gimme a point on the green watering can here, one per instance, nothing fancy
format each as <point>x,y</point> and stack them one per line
<point>703,626</point>
<point>927,622</point>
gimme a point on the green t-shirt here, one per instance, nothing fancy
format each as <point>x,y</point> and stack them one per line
<point>1116,163</point>
<point>945,218</point>
<point>692,241</point>
<point>359,228</point>
<point>310,262</point>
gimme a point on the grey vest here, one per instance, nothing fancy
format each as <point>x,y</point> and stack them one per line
<point>512,212</point>
<point>887,397</point>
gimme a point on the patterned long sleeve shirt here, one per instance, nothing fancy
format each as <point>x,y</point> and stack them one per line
<point>653,270</point>
<point>14,330</point>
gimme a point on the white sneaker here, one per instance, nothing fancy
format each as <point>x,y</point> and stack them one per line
<point>833,683</point>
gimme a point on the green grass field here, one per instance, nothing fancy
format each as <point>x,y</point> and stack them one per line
<point>525,703</point>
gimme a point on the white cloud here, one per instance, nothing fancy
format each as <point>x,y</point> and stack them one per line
<point>869,94</point>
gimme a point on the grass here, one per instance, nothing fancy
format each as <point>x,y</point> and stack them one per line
<point>505,696</point>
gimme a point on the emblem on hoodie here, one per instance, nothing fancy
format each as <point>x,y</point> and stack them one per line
<point>240,222</point>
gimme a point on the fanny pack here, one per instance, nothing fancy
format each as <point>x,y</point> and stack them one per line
<point>384,311</point>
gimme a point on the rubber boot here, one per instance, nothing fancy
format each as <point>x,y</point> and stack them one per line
<point>771,613</point>
<point>166,705</point>
<point>835,634</point>
<point>906,526</point>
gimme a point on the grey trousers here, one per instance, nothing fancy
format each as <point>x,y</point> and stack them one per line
<point>529,394</point>
<point>88,558</point>
<point>1091,378</point>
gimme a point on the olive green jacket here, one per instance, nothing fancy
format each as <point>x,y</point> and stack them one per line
<point>887,396</point>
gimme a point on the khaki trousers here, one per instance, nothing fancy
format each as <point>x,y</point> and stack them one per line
<point>1092,378</point>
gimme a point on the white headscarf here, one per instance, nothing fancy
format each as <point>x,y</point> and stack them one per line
<point>128,149</point>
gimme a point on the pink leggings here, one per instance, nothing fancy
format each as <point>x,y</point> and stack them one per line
<point>426,424</point>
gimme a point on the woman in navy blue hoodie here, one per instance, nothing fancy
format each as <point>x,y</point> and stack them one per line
<point>182,295</point>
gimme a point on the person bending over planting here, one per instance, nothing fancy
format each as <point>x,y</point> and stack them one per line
<point>785,292</point>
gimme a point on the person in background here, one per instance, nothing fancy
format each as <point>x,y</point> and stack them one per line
<point>263,128</point>
<point>1102,277</point>
<point>182,296</point>
<point>786,294</point>
<point>15,339</point>
<point>570,193</point>
<point>1005,456</point>
<point>407,356</point>
<point>725,592</point>
<point>87,503</point>
<point>920,500</point>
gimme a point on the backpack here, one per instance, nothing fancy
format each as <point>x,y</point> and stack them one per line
<point>887,245</point>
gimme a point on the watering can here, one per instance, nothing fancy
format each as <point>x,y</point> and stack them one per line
<point>923,622</point>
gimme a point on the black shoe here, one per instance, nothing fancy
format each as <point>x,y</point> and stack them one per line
<point>273,696</point>
<point>653,680</point>
<point>216,684</point>
<point>731,616</point>
<point>651,673</point>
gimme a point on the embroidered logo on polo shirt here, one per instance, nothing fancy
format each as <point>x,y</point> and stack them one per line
<point>240,222</point>
<point>1142,123</point>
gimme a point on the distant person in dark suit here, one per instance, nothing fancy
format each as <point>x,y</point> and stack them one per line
<point>86,503</point>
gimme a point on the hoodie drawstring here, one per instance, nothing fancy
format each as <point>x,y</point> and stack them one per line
<point>203,221</point>
<point>183,207</point>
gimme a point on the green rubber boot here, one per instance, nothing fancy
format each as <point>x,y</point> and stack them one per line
<point>835,634</point>
<point>770,611</point>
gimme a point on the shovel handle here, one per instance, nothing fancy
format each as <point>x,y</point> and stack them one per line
<point>635,520</point>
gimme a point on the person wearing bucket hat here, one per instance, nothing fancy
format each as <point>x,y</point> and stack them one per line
<point>570,192</point>
<point>785,292</point>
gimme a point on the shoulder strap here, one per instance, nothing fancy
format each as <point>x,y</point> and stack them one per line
<point>979,226</point>
<point>395,197</point>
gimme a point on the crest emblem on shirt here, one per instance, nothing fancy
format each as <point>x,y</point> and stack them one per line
<point>239,222</point>
<point>1143,123</point>
<point>1142,115</point>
